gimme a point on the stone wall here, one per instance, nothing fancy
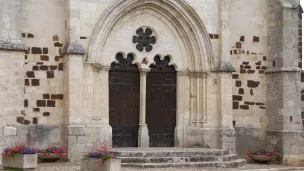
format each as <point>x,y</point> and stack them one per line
<point>249,57</point>
<point>43,74</point>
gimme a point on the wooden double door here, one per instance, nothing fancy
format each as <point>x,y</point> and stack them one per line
<point>124,96</point>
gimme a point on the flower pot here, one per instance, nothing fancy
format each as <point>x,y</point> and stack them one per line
<point>91,164</point>
<point>261,158</point>
<point>20,161</point>
<point>48,158</point>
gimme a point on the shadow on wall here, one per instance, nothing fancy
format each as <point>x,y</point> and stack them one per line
<point>249,137</point>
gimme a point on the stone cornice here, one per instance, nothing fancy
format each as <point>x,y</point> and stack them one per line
<point>223,66</point>
<point>74,48</point>
<point>17,45</point>
<point>285,69</point>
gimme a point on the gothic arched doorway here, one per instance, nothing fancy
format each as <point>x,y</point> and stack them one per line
<point>124,101</point>
<point>161,103</point>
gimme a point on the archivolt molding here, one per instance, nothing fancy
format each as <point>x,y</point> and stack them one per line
<point>178,13</point>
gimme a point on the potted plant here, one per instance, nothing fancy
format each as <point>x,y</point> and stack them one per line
<point>261,155</point>
<point>98,158</point>
<point>51,154</point>
<point>20,156</point>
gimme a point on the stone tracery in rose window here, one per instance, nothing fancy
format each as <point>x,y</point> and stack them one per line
<point>144,39</point>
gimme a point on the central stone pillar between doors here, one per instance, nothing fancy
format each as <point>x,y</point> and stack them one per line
<point>143,132</point>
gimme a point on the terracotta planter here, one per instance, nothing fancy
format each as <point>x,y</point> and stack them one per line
<point>25,161</point>
<point>261,158</point>
<point>48,158</point>
<point>91,164</point>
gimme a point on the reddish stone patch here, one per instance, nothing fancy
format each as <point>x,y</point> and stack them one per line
<point>46,96</point>
<point>235,76</point>
<point>237,98</point>
<point>216,36</point>
<point>25,56</point>
<point>44,68</point>
<point>23,34</point>
<point>256,39</point>
<point>264,58</point>
<point>50,74</point>
<point>211,36</point>
<point>242,38</point>
<point>27,82</point>
<point>251,71</point>
<point>35,120</point>
<point>57,96</point>
<point>261,72</point>
<point>45,50</point>
<point>55,38</point>
<point>247,67</point>
<point>258,63</point>
<point>249,103</point>
<point>260,104</point>
<point>83,37</point>
<point>35,82</point>
<point>35,68</point>
<point>53,67</point>
<point>39,63</point>
<point>251,92</point>
<point>264,67</point>
<point>253,84</point>
<point>262,107</point>
<point>244,107</point>
<point>46,113</point>
<point>30,35</point>
<point>242,71</point>
<point>235,105</point>
<point>238,45</point>
<point>44,58</point>
<point>238,83</point>
<point>41,103</point>
<point>26,103</point>
<point>258,67</point>
<point>36,109</point>
<point>241,91</point>
<point>60,67</point>
<point>245,63</point>
<point>36,50</point>
<point>235,51</point>
<point>57,44</point>
<point>51,103</point>
<point>273,63</point>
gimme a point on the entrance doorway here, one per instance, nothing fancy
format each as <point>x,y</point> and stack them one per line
<point>124,101</point>
<point>161,103</point>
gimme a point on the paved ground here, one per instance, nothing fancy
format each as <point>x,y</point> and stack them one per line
<point>62,166</point>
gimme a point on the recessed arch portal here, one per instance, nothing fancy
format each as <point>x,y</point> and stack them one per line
<point>183,21</point>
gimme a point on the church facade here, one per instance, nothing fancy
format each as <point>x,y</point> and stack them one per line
<point>222,74</point>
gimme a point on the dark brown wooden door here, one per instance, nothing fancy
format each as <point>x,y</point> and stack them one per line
<point>161,103</point>
<point>124,102</point>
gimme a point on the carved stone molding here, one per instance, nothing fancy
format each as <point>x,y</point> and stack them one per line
<point>197,74</point>
<point>12,45</point>
<point>72,48</point>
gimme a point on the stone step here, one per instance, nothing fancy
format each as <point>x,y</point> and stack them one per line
<point>228,164</point>
<point>158,152</point>
<point>178,159</point>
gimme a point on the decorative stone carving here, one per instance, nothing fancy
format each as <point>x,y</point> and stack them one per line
<point>144,39</point>
<point>223,66</point>
<point>76,130</point>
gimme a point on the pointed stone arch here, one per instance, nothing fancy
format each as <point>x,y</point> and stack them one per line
<point>193,37</point>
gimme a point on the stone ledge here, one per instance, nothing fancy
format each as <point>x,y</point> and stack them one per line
<point>223,66</point>
<point>285,69</point>
<point>76,130</point>
<point>72,48</point>
<point>17,45</point>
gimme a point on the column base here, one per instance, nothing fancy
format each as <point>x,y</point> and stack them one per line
<point>143,136</point>
<point>179,137</point>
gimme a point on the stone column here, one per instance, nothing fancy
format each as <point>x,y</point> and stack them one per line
<point>180,109</point>
<point>143,132</point>
<point>284,129</point>
<point>102,131</point>
<point>224,70</point>
<point>73,81</point>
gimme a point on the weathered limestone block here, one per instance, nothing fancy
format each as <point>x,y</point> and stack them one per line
<point>76,130</point>
<point>91,164</point>
<point>8,131</point>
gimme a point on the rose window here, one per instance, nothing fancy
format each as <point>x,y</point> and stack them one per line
<point>144,40</point>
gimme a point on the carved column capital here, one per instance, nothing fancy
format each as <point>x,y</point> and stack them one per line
<point>98,67</point>
<point>144,71</point>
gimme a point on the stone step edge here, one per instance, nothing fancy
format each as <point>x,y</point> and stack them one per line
<point>228,164</point>
<point>156,154</point>
<point>224,157</point>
